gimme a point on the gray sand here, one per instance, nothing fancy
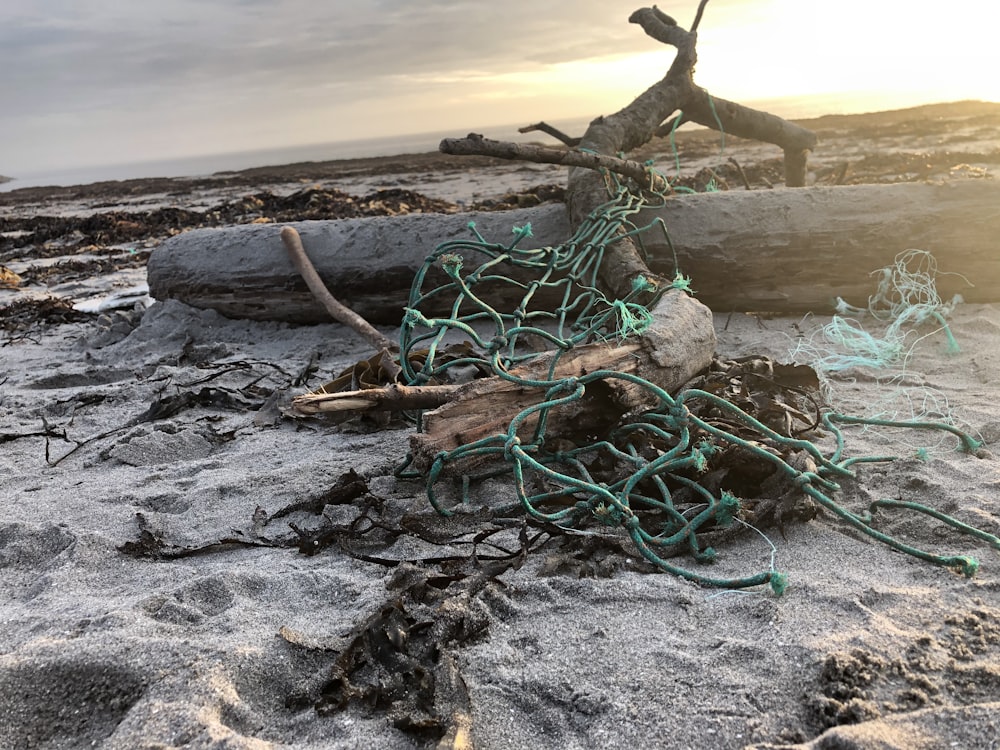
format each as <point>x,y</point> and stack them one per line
<point>104,649</point>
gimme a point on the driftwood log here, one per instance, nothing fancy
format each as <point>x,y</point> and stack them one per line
<point>783,250</point>
<point>679,344</point>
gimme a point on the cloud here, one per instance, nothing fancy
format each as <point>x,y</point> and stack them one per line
<point>76,67</point>
<point>106,80</point>
<point>55,54</point>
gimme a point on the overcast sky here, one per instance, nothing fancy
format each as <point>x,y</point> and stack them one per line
<point>112,81</point>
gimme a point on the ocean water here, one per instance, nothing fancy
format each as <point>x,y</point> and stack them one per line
<point>196,166</point>
<point>798,107</point>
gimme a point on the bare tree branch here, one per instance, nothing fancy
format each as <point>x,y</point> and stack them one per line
<point>338,311</point>
<point>475,144</point>
<point>544,127</point>
<point>697,17</point>
<point>744,122</point>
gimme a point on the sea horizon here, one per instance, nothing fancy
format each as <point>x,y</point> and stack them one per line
<point>209,164</point>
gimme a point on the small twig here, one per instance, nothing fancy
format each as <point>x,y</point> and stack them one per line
<point>389,398</point>
<point>743,175</point>
<point>476,145</point>
<point>339,312</point>
<point>544,127</point>
<point>697,18</point>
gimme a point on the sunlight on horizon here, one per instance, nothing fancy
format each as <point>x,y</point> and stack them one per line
<point>869,56</point>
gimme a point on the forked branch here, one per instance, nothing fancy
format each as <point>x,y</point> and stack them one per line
<point>645,117</point>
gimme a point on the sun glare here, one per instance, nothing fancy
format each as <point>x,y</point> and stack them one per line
<point>873,54</point>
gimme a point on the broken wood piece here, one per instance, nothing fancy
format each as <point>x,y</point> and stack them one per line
<point>679,344</point>
<point>394,397</point>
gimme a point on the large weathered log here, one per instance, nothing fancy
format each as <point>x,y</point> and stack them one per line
<point>795,250</point>
<point>768,250</point>
<point>368,264</point>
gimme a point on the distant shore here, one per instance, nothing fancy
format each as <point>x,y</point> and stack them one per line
<point>412,152</point>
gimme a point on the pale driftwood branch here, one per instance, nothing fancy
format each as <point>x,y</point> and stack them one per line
<point>339,312</point>
<point>744,122</point>
<point>475,144</point>
<point>390,398</point>
<point>544,127</point>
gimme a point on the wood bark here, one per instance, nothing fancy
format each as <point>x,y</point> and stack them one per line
<point>777,250</point>
<point>678,345</point>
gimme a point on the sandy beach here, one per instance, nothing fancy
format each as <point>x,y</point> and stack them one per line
<point>185,565</point>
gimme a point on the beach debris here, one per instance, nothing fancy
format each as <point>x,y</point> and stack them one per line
<point>9,279</point>
<point>23,319</point>
<point>624,420</point>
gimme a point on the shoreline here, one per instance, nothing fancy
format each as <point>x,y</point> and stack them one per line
<point>888,121</point>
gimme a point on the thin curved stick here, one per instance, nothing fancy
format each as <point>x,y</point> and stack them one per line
<point>340,312</point>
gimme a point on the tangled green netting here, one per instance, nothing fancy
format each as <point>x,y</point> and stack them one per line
<point>642,474</point>
<point>905,300</point>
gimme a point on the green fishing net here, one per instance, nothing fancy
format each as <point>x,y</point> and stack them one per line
<point>736,448</point>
